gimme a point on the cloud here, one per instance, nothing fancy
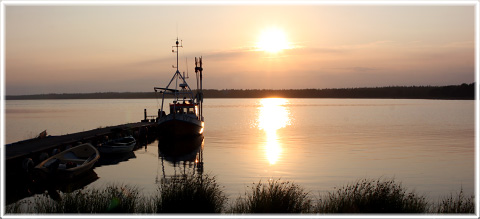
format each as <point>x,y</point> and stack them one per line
<point>148,62</point>
<point>229,54</point>
<point>376,63</point>
<point>357,69</point>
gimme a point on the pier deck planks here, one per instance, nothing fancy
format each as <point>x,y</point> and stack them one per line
<point>26,147</point>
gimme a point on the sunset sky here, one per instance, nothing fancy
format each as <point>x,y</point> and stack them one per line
<point>103,48</point>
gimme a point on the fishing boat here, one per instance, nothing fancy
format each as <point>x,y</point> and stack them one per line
<point>120,145</point>
<point>70,163</point>
<point>185,113</point>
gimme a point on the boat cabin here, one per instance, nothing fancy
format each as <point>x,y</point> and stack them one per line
<point>184,108</point>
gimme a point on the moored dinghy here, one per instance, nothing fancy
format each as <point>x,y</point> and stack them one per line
<point>69,163</point>
<point>120,145</point>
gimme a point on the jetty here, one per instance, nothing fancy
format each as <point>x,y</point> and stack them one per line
<point>36,149</point>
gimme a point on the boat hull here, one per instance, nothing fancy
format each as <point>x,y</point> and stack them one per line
<point>115,149</point>
<point>122,145</point>
<point>180,127</point>
<point>83,156</point>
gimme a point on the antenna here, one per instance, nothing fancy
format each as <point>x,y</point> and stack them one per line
<point>173,50</point>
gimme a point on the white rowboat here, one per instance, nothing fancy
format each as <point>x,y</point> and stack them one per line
<point>69,163</point>
<point>121,145</point>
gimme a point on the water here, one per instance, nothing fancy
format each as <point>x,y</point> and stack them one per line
<point>428,145</point>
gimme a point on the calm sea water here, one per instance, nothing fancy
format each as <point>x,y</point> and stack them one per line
<point>428,145</point>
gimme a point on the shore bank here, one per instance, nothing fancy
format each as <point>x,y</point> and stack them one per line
<point>460,92</point>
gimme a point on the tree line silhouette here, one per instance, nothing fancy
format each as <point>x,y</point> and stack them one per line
<point>463,91</point>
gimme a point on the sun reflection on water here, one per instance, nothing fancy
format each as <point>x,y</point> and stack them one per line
<point>273,116</point>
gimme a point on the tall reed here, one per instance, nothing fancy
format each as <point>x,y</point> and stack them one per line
<point>457,204</point>
<point>190,194</point>
<point>273,197</point>
<point>372,196</point>
<point>111,199</point>
<point>201,194</point>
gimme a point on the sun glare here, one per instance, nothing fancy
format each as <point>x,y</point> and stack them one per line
<point>272,40</point>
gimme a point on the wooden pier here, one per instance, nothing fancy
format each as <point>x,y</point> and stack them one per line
<point>34,149</point>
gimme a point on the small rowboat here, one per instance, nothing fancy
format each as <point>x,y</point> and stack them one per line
<point>121,145</point>
<point>69,163</point>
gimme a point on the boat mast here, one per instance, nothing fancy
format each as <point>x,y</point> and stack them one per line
<point>175,77</point>
<point>198,70</point>
<point>177,72</point>
<point>186,90</point>
<point>176,46</point>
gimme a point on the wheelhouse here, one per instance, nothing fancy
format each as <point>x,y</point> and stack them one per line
<point>184,108</point>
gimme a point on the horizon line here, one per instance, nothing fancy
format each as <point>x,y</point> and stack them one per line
<point>243,89</point>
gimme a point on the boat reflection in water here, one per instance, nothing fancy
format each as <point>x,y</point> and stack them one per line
<point>273,116</point>
<point>68,187</point>
<point>114,159</point>
<point>184,155</point>
<point>20,188</point>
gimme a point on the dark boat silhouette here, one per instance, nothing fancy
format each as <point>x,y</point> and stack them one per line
<point>185,113</point>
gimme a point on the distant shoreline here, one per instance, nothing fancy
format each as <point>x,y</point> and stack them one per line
<point>455,92</point>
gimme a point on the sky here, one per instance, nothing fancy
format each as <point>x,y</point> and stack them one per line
<point>128,48</point>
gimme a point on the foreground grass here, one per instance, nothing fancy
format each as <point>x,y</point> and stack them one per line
<point>372,196</point>
<point>456,204</point>
<point>112,199</point>
<point>193,194</point>
<point>273,197</point>
<point>190,195</point>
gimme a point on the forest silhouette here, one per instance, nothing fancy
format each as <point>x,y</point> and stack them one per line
<point>462,92</point>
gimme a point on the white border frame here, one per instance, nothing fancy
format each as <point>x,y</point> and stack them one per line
<point>3,5</point>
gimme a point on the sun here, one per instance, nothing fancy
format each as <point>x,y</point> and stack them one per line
<point>272,40</point>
